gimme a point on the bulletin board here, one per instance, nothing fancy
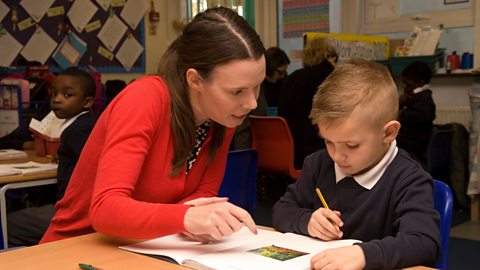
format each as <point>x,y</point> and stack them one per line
<point>57,25</point>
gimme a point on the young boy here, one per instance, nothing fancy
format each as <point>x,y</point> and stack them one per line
<point>417,111</point>
<point>72,98</point>
<point>376,192</point>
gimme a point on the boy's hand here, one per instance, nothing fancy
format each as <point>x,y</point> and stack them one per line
<point>321,224</point>
<point>350,257</point>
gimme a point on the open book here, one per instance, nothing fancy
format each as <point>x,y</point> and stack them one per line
<point>50,125</point>
<point>243,250</point>
<point>27,168</point>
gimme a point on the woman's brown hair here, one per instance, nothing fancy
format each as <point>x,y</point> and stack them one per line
<point>214,37</point>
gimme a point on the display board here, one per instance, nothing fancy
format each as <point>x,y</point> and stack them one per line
<point>61,33</point>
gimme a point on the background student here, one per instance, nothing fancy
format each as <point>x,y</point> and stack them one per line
<point>296,95</point>
<point>376,192</point>
<point>417,111</point>
<point>72,98</point>
<point>157,154</point>
<point>277,66</point>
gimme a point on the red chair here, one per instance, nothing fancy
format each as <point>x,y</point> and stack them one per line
<point>273,141</point>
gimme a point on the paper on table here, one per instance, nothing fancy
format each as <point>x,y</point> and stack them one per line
<point>6,154</point>
<point>286,252</point>
<point>179,247</point>
<point>267,250</point>
<point>26,168</point>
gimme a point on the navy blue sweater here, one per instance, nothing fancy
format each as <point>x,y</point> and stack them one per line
<point>396,219</point>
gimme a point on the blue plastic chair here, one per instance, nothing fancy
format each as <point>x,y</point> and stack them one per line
<point>240,180</point>
<point>443,199</point>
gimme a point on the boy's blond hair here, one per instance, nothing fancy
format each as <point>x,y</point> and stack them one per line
<point>356,86</point>
<point>316,50</point>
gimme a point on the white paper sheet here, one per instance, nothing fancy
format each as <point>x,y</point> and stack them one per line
<point>104,4</point>
<point>3,10</point>
<point>129,52</point>
<point>40,39</point>
<point>9,49</point>
<point>35,8</point>
<point>111,32</point>
<point>133,12</point>
<point>80,13</point>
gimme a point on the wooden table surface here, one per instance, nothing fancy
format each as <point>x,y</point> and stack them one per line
<point>95,249</point>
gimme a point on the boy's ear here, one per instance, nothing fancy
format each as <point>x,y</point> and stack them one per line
<point>88,102</point>
<point>390,131</point>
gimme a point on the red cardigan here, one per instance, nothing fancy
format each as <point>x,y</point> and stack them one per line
<point>121,185</point>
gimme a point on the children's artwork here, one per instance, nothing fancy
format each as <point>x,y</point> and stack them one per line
<point>278,253</point>
<point>40,39</point>
<point>81,13</point>
<point>129,52</point>
<point>111,32</point>
<point>69,52</point>
<point>21,21</point>
<point>9,48</point>
<point>359,46</point>
<point>4,9</point>
<point>35,8</point>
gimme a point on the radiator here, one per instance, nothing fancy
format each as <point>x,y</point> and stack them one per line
<point>457,114</point>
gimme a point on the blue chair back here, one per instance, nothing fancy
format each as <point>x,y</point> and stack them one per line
<point>443,199</point>
<point>240,180</point>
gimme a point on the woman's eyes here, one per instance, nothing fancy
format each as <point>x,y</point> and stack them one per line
<point>352,146</point>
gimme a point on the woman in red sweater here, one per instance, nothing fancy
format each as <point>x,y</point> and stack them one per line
<point>156,157</point>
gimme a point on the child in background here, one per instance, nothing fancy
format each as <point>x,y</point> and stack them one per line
<point>72,98</point>
<point>417,111</point>
<point>376,192</point>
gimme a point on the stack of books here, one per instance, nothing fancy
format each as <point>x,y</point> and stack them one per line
<point>27,168</point>
<point>6,154</point>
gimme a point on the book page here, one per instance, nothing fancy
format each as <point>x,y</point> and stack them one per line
<point>288,251</point>
<point>179,247</point>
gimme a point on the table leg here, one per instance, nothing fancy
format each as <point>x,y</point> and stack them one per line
<point>3,200</point>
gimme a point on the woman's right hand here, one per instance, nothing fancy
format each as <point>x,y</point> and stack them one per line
<point>217,220</point>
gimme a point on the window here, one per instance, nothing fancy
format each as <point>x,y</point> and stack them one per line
<point>242,7</point>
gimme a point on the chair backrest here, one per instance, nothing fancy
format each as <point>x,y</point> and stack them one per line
<point>439,154</point>
<point>272,138</point>
<point>443,199</point>
<point>240,180</point>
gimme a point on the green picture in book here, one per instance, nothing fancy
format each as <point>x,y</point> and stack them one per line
<point>277,253</point>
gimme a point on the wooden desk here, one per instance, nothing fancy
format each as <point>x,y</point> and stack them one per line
<point>95,249</point>
<point>21,181</point>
